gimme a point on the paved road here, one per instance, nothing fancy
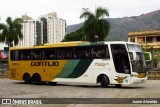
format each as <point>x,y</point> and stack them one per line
<point>17,89</point>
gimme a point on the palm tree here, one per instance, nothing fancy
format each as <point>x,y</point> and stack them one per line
<point>95,26</point>
<point>11,31</point>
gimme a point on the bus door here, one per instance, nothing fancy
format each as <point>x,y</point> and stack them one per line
<point>121,64</point>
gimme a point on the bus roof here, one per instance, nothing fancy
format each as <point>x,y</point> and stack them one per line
<point>64,43</point>
<point>70,44</point>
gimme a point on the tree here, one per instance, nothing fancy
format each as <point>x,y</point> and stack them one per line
<point>95,25</point>
<point>11,31</point>
<point>78,35</point>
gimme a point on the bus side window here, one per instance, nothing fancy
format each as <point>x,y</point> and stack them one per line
<point>82,53</point>
<point>74,54</point>
<point>28,57</point>
<point>60,54</point>
<point>95,52</point>
<point>46,54</point>
<point>53,54</point>
<point>49,53</point>
<point>37,57</point>
<point>15,55</point>
<point>36,54</point>
<point>100,52</point>
<point>25,54</point>
<point>65,53</point>
<point>23,57</point>
<point>87,54</point>
<point>32,55</point>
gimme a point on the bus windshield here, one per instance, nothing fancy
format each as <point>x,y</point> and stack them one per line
<point>138,65</point>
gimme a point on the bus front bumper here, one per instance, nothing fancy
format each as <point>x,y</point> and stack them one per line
<point>135,80</point>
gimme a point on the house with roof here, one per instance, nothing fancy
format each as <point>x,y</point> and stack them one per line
<point>149,41</point>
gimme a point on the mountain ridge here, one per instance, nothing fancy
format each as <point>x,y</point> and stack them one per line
<point>121,26</point>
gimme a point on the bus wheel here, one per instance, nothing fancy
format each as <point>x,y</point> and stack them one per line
<point>27,79</point>
<point>36,79</point>
<point>118,85</point>
<point>104,81</point>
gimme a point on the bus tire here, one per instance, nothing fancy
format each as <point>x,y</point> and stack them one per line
<point>27,78</point>
<point>36,79</point>
<point>104,81</point>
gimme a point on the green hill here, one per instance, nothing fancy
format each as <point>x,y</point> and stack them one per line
<point>121,26</point>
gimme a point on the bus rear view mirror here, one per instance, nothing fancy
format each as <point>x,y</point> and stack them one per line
<point>147,56</point>
<point>132,56</point>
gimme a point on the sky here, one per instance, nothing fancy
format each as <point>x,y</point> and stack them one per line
<point>70,10</point>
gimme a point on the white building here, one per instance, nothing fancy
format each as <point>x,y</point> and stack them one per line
<point>53,28</point>
<point>47,29</point>
<point>32,33</point>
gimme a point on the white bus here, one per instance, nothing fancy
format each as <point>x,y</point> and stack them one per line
<point>106,63</point>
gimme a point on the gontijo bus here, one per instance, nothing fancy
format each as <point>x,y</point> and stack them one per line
<point>106,63</point>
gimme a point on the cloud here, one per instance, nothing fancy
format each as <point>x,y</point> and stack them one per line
<point>71,9</point>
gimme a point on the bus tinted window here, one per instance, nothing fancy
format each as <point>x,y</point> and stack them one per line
<point>25,54</point>
<point>99,52</point>
<point>133,47</point>
<point>15,55</point>
<point>36,54</point>
<point>82,53</point>
<point>64,53</point>
<point>49,53</point>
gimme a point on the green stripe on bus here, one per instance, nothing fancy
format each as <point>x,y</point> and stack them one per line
<point>81,68</point>
<point>68,68</point>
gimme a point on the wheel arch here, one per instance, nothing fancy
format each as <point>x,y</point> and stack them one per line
<point>101,76</point>
<point>25,74</point>
<point>27,78</point>
<point>37,80</point>
<point>36,75</point>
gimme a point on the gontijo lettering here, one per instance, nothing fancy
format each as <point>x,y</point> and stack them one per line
<point>46,63</point>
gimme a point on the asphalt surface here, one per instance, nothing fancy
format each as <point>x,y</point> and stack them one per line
<point>17,89</point>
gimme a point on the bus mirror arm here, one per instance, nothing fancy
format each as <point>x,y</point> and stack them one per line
<point>148,67</point>
<point>148,56</point>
